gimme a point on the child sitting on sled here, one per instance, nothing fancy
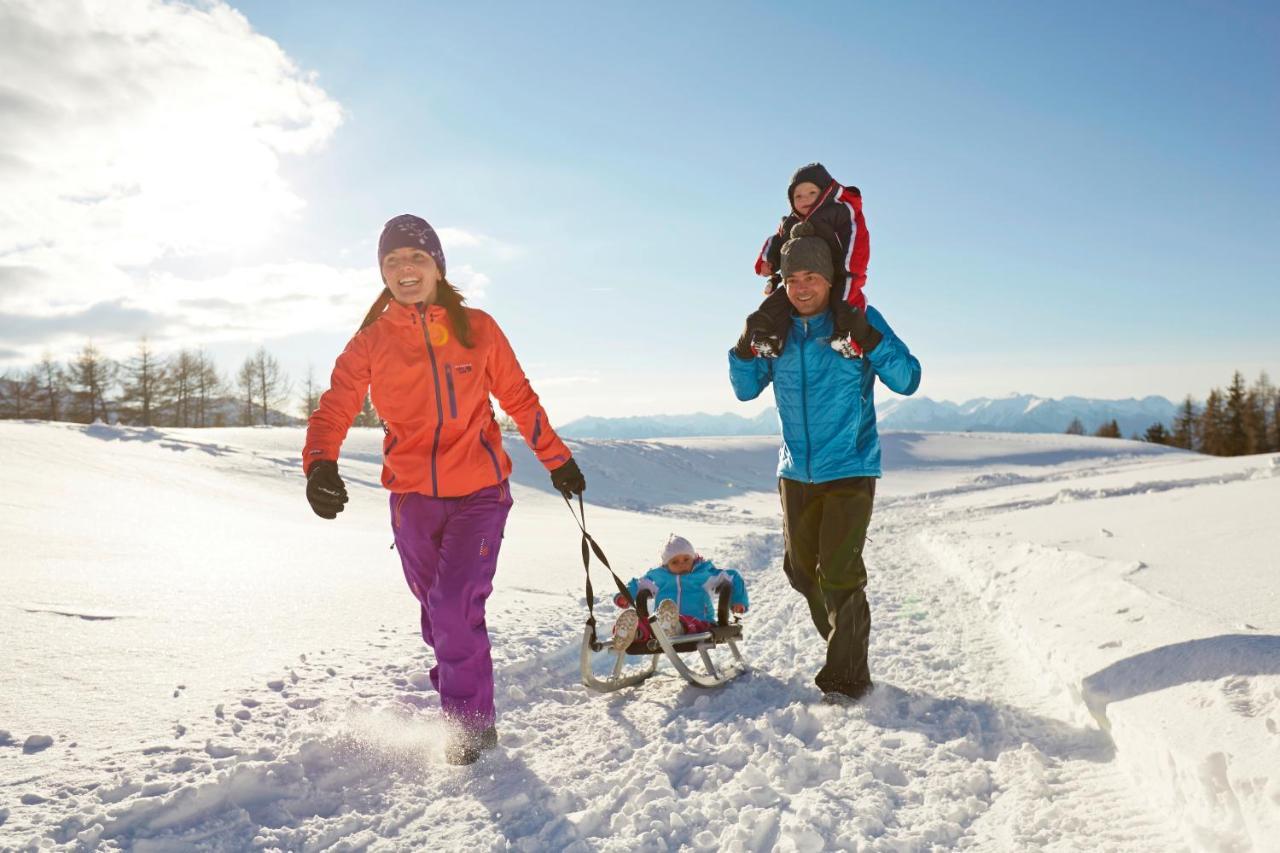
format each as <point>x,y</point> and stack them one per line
<point>835,213</point>
<point>683,587</point>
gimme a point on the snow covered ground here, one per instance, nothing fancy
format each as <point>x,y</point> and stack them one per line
<point>1076,642</point>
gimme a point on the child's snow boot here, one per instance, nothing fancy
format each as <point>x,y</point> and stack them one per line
<point>668,618</point>
<point>624,630</point>
<point>842,321</point>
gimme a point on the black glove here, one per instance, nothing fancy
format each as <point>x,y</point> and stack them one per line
<point>568,480</point>
<point>325,490</point>
<point>853,322</point>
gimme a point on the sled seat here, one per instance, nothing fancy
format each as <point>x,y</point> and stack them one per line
<point>721,632</point>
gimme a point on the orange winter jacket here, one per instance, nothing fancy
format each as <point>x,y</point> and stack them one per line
<point>432,394</point>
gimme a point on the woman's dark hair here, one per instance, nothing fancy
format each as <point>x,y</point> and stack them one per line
<point>447,297</point>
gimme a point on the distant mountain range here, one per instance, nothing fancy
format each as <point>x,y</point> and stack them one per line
<point>1014,413</point>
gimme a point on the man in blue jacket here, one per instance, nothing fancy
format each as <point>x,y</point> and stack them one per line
<point>830,454</point>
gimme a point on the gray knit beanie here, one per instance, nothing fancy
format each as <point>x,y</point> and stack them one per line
<point>806,251</point>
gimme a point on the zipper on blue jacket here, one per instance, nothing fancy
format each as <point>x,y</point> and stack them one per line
<point>435,376</point>
<point>448,380</point>
<point>804,406</point>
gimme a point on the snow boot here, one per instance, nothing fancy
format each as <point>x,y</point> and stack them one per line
<point>624,630</point>
<point>848,695</point>
<point>845,345</point>
<point>464,745</point>
<point>668,618</point>
<point>841,320</point>
<point>766,344</point>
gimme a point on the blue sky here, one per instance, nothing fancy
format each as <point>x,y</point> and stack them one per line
<point>1062,199</point>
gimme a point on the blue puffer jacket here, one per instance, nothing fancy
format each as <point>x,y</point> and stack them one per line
<point>691,592</point>
<point>825,401</point>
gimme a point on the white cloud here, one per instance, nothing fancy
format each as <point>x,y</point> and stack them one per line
<point>134,130</point>
<point>256,303</point>
<point>473,284</point>
<point>453,239</point>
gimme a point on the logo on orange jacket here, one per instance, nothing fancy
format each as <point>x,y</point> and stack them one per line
<point>439,334</point>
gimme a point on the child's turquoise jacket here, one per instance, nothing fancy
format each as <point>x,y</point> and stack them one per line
<point>691,592</point>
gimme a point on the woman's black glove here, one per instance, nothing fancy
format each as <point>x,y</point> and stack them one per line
<point>568,480</point>
<point>325,490</point>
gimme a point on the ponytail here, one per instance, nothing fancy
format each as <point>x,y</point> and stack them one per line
<point>447,297</point>
<point>375,311</point>
<point>450,299</point>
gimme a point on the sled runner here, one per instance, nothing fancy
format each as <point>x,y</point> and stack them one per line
<point>723,633</point>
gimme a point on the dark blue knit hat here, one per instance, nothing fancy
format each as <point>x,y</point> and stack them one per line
<point>409,231</point>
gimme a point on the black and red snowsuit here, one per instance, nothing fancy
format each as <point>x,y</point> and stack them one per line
<point>837,216</point>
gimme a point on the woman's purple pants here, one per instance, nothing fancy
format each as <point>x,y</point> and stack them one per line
<point>449,550</point>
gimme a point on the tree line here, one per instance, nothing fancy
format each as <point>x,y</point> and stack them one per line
<point>1236,421</point>
<point>182,389</point>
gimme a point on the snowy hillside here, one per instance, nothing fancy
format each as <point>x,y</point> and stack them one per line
<point>1076,643</point>
<point>1013,413</point>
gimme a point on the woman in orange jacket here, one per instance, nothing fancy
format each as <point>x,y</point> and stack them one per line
<point>431,364</point>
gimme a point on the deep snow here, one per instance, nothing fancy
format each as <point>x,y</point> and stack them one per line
<point>1075,641</point>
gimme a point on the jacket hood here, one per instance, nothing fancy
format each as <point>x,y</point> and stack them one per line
<point>814,173</point>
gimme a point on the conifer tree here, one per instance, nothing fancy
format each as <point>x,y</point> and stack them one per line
<point>368,416</point>
<point>1212,430</point>
<point>1235,438</point>
<point>1157,434</point>
<point>1076,427</point>
<point>1109,429</point>
<point>1184,426</point>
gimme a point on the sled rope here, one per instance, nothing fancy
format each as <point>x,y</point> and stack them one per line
<point>589,545</point>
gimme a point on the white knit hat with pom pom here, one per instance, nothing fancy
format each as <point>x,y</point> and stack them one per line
<point>677,545</point>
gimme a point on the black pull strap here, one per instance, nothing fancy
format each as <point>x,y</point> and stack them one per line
<point>589,546</point>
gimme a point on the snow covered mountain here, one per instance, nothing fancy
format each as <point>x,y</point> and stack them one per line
<point>1014,413</point>
<point>1023,413</point>
<point>667,426</point>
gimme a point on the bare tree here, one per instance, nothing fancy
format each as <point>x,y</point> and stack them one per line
<point>18,394</point>
<point>91,376</point>
<point>272,383</point>
<point>208,386</point>
<point>141,392</point>
<point>245,382</point>
<point>1257,402</point>
<point>310,393</point>
<point>53,387</point>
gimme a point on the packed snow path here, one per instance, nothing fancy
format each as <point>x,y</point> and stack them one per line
<point>965,743</point>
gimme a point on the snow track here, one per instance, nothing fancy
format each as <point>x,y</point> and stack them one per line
<point>953,749</point>
<point>972,739</point>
